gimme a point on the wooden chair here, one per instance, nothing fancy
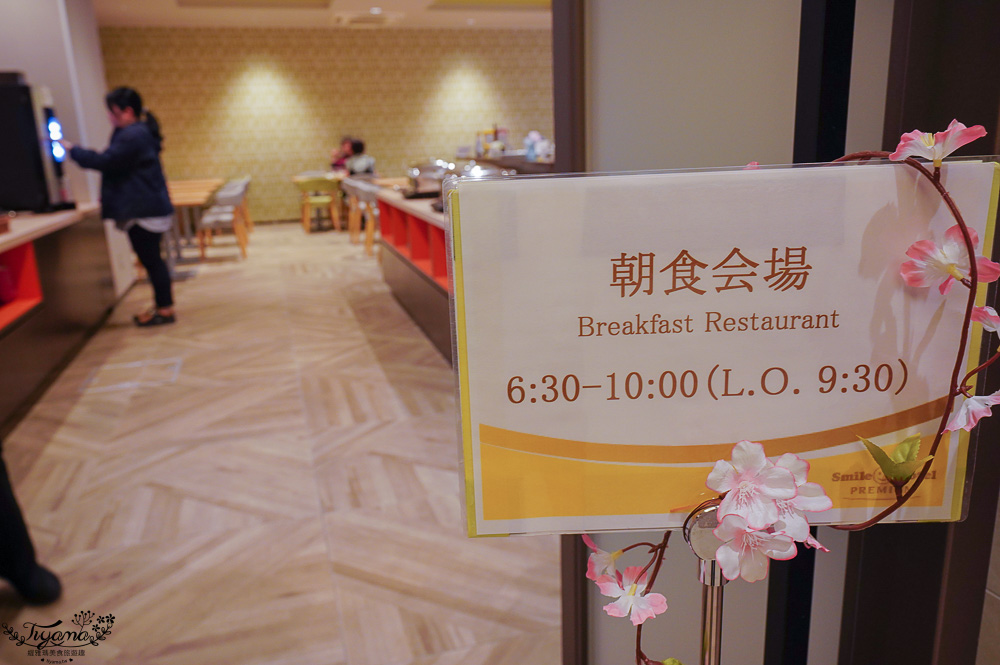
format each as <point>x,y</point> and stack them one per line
<point>362,203</point>
<point>368,202</point>
<point>245,208</point>
<point>228,208</point>
<point>349,186</point>
<point>319,192</point>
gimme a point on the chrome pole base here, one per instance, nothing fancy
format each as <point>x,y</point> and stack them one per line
<point>698,534</point>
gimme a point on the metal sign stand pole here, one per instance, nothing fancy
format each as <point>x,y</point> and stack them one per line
<point>698,534</point>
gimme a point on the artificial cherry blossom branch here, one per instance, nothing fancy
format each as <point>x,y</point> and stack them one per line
<point>660,550</point>
<point>956,386</point>
<point>762,503</point>
<point>992,359</point>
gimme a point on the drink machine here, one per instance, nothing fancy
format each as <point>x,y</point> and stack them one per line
<point>31,160</point>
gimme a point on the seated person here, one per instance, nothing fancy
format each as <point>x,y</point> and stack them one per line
<point>339,157</point>
<point>359,162</point>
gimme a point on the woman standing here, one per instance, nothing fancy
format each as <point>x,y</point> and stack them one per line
<point>134,192</point>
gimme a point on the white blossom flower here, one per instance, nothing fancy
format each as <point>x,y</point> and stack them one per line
<point>810,497</point>
<point>600,562</point>
<point>935,147</point>
<point>945,263</point>
<point>632,601</point>
<point>753,485</point>
<point>746,552</point>
<point>988,317</point>
<point>971,411</point>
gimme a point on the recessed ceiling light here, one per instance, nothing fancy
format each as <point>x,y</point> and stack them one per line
<point>375,11</point>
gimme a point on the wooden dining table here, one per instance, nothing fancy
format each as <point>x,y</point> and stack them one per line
<point>193,193</point>
<point>188,198</point>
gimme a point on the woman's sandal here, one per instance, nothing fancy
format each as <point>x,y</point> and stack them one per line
<point>155,319</point>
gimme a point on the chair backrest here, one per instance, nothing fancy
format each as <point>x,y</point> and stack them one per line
<point>310,183</point>
<point>350,186</point>
<point>368,192</point>
<point>231,194</point>
<point>242,182</point>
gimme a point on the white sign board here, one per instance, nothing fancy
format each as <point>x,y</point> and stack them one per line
<point>618,334</point>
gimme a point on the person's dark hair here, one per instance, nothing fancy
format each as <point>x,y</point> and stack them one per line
<point>127,98</point>
<point>357,146</point>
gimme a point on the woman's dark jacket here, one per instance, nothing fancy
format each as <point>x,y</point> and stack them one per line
<point>132,185</point>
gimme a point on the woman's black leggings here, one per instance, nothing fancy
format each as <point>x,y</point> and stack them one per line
<point>17,555</point>
<point>147,247</point>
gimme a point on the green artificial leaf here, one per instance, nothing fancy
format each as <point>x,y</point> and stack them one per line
<point>907,450</point>
<point>897,471</point>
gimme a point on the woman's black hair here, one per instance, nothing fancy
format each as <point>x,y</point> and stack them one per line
<point>127,98</point>
<point>357,146</point>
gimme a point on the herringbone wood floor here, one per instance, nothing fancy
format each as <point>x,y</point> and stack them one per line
<point>274,479</point>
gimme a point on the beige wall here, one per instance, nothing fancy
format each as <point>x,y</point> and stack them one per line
<point>35,38</point>
<point>87,75</point>
<point>674,85</point>
<point>869,75</point>
<point>273,102</point>
<point>55,43</point>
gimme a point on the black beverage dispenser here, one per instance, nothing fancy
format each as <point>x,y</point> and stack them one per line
<point>31,159</point>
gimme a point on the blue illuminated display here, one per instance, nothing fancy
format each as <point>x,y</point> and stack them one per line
<point>55,134</point>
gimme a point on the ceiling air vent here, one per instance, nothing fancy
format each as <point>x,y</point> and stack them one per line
<point>257,4</point>
<point>493,5</point>
<point>367,19</point>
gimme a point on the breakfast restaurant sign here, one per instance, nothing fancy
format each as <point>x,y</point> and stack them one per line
<point>618,334</point>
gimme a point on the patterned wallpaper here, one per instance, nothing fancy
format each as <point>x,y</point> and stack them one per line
<point>274,102</point>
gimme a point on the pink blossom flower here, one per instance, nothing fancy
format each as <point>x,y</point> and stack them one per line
<point>946,263</point>
<point>753,485</point>
<point>599,562</point>
<point>935,147</point>
<point>746,552</point>
<point>810,497</point>
<point>632,601</point>
<point>988,317</point>
<point>971,411</point>
<point>814,544</point>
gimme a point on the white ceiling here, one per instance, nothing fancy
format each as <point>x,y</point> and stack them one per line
<point>338,13</point>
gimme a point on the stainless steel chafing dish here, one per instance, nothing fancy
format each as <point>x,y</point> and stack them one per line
<point>475,169</point>
<point>426,179</point>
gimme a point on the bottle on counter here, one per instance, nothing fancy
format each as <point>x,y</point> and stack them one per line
<point>531,142</point>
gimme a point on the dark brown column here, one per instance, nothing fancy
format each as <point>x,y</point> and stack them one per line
<point>914,593</point>
<point>568,107</point>
<point>569,101</point>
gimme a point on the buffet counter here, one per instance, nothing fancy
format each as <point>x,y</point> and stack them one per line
<point>415,263</point>
<point>27,226</point>
<point>55,289</point>
<point>519,164</point>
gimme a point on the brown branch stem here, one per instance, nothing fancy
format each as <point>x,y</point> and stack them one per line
<point>935,180</point>
<point>660,550</point>
<point>979,369</point>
